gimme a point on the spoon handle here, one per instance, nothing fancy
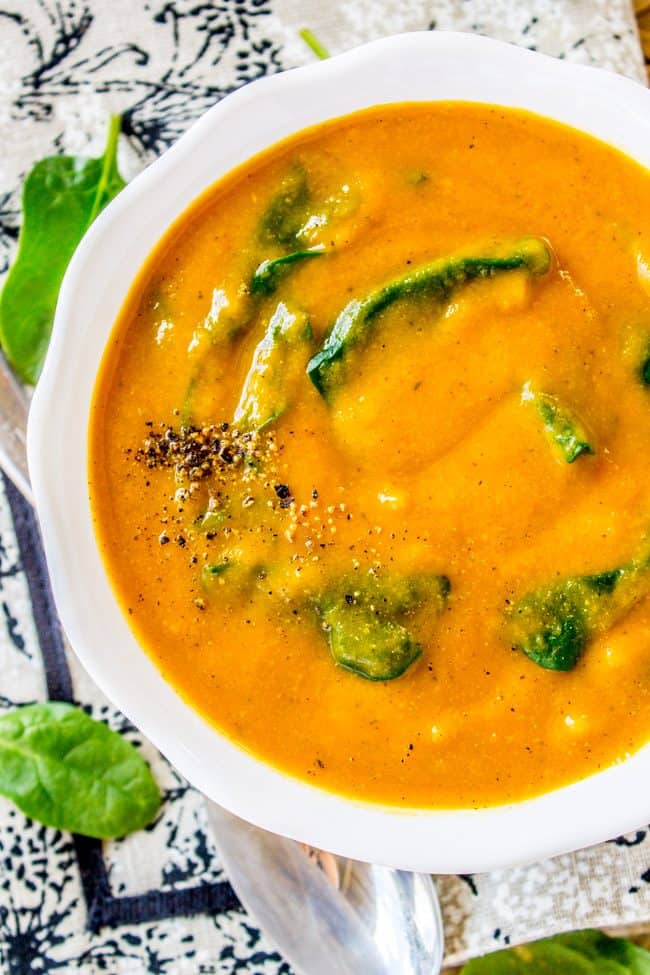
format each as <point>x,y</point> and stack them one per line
<point>376,920</point>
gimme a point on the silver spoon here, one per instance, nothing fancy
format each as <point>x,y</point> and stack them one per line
<point>326,915</point>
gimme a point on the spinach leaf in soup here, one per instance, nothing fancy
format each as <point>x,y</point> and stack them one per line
<point>554,624</point>
<point>377,649</point>
<point>296,218</point>
<point>644,370</point>
<point>364,620</point>
<point>435,282</point>
<point>269,274</point>
<point>62,195</point>
<point>226,323</point>
<point>577,953</point>
<point>278,364</point>
<point>288,211</point>
<point>68,771</point>
<point>563,429</point>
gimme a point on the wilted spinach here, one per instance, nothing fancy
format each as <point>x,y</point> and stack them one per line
<point>66,770</point>
<point>62,195</point>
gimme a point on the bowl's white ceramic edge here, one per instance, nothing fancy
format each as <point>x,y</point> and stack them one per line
<point>439,841</point>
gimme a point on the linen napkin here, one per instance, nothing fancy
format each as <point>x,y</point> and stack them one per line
<point>158,901</point>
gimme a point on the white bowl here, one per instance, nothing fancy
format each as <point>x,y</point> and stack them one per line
<point>409,67</point>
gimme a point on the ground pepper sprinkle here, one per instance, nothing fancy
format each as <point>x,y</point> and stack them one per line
<point>196,453</point>
<point>221,477</point>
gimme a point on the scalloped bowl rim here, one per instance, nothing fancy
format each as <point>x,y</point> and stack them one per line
<point>425,66</point>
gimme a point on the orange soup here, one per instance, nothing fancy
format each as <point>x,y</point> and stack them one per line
<point>369,455</point>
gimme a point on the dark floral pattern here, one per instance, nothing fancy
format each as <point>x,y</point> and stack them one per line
<point>190,56</point>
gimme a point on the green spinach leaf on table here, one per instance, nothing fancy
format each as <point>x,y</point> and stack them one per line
<point>62,195</point>
<point>579,953</point>
<point>68,771</point>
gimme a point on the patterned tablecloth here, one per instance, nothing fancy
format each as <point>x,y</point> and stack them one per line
<point>158,902</point>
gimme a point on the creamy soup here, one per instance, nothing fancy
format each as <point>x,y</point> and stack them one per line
<point>369,455</point>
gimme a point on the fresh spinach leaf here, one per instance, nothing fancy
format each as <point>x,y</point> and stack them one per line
<point>62,196</point>
<point>579,953</point>
<point>66,770</point>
